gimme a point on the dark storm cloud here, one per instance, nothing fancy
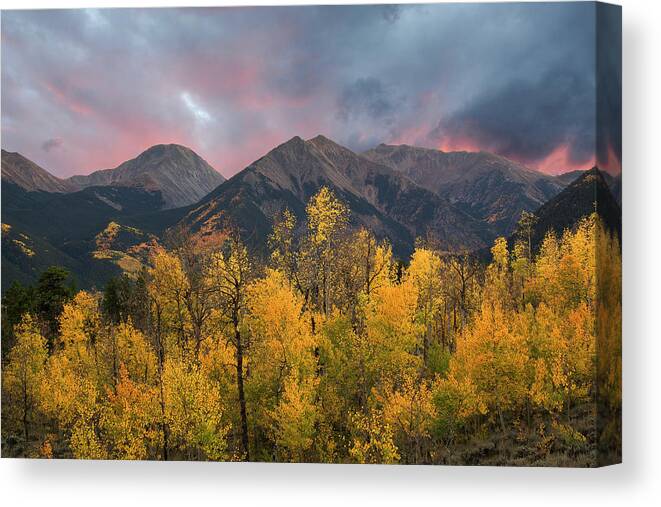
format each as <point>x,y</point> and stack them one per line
<point>52,143</point>
<point>528,119</point>
<point>367,96</point>
<point>233,83</point>
<point>391,12</point>
<point>609,78</point>
<point>546,103</point>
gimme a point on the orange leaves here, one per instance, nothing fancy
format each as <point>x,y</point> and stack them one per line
<point>129,419</point>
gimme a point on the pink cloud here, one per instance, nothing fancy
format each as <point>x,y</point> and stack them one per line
<point>560,161</point>
<point>65,99</point>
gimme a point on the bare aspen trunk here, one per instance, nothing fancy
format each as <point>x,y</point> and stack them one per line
<point>25,413</point>
<point>161,361</point>
<point>239,385</point>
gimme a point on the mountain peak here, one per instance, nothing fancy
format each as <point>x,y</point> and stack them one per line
<point>593,170</point>
<point>589,192</point>
<point>167,150</point>
<point>320,138</point>
<point>177,172</point>
<point>294,141</point>
<point>592,175</point>
<point>26,174</point>
<point>378,197</point>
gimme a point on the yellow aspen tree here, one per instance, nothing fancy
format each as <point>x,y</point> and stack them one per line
<point>564,358</point>
<point>327,219</point>
<point>167,288</point>
<point>411,413</point>
<point>498,276</point>
<point>229,275</point>
<point>194,410</point>
<point>80,330</point>
<point>284,256</point>
<point>79,321</point>
<point>577,268</point>
<point>135,353</point>
<point>391,336</point>
<point>372,439</point>
<point>294,419</point>
<point>282,347</point>
<point>22,377</point>
<point>71,398</point>
<point>545,283</point>
<point>374,261</point>
<point>521,273</point>
<point>490,361</point>
<point>129,419</point>
<point>74,379</point>
<point>281,341</point>
<point>548,351</point>
<point>425,273</point>
<point>85,441</point>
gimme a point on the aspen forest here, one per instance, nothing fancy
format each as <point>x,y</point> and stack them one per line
<point>327,349</point>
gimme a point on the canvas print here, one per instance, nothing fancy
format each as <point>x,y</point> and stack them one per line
<point>385,234</point>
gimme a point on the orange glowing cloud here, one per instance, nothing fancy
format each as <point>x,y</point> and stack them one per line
<point>560,161</point>
<point>458,144</point>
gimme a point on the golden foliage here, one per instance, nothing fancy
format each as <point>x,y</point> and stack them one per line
<point>129,419</point>
<point>22,377</point>
<point>372,440</point>
<point>194,411</point>
<point>333,353</point>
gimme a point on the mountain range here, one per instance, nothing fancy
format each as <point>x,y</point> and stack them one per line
<point>379,197</point>
<point>107,222</point>
<point>489,187</point>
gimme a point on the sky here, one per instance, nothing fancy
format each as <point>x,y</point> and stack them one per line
<point>88,89</point>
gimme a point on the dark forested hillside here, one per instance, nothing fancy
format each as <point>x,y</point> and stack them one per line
<point>41,229</point>
<point>588,193</point>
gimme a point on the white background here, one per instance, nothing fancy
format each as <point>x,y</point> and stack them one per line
<point>636,482</point>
